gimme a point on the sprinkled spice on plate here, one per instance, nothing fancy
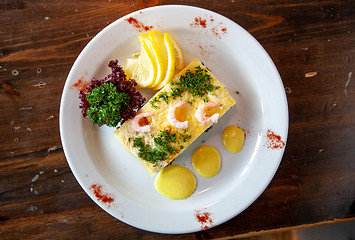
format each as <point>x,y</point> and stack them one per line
<point>138,25</point>
<point>217,29</point>
<point>80,85</point>
<point>199,22</point>
<point>103,197</point>
<point>274,141</point>
<point>205,219</point>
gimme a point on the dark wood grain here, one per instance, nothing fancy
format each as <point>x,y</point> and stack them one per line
<point>39,42</point>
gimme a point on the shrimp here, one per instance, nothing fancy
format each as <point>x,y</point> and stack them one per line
<point>172,118</point>
<point>200,113</point>
<point>138,120</point>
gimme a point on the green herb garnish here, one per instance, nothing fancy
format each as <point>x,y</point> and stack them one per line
<point>153,101</point>
<point>185,137</point>
<point>163,147</point>
<point>106,104</point>
<point>163,141</point>
<point>147,153</point>
<point>197,83</point>
<point>164,96</point>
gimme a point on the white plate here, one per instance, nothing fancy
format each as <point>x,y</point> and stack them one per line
<point>237,60</point>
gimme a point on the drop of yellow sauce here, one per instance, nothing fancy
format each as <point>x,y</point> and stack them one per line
<point>175,182</point>
<point>233,138</point>
<point>206,161</point>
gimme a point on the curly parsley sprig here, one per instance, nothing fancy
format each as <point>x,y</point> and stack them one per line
<point>111,100</point>
<point>106,105</point>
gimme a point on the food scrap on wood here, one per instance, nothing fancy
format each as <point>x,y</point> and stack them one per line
<point>310,74</point>
<point>40,84</point>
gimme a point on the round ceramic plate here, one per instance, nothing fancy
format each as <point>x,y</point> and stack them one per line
<point>117,181</point>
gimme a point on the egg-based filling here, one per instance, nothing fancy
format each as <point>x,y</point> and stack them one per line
<point>178,114</point>
<point>233,139</point>
<point>175,182</point>
<point>206,160</point>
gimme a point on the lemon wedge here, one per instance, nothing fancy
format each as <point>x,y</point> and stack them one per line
<point>144,68</point>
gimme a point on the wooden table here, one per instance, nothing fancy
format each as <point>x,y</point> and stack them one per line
<point>313,46</point>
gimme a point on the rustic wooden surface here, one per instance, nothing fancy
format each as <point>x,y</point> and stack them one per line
<point>40,40</point>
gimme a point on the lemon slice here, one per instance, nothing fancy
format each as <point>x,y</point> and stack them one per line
<point>174,57</point>
<point>144,68</point>
<point>170,63</point>
<point>156,39</point>
<point>179,57</point>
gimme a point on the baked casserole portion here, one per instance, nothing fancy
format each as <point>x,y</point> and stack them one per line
<point>175,116</point>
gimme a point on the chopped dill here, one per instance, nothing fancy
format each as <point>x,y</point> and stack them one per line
<point>162,148</point>
<point>153,101</point>
<point>185,137</point>
<point>149,154</point>
<point>164,96</point>
<point>163,141</point>
<point>197,83</point>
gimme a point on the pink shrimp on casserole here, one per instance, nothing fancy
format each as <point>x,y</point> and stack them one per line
<point>140,120</point>
<point>201,116</point>
<point>172,118</point>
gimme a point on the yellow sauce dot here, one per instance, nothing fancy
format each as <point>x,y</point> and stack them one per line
<point>206,161</point>
<point>233,138</point>
<point>175,182</point>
